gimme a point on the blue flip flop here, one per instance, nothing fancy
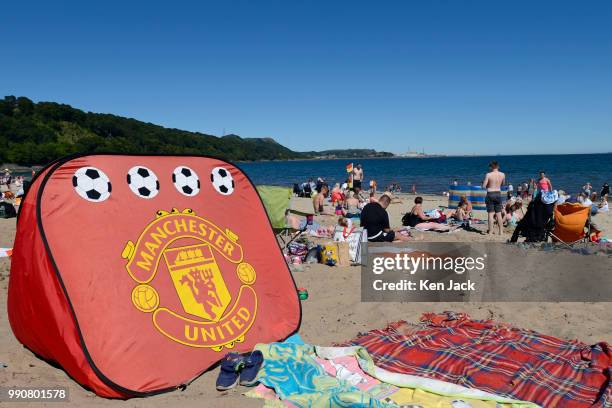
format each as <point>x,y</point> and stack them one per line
<point>252,364</point>
<point>229,374</point>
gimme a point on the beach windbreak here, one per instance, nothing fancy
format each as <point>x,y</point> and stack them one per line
<point>138,273</point>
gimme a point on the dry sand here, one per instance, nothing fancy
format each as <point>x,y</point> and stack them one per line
<point>332,313</point>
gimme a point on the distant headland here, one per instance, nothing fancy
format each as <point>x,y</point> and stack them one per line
<point>37,133</point>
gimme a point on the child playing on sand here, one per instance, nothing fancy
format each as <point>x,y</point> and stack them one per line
<point>337,196</point>
<point>373,186</point>
<point>603,204</point>
<point>463,213</point>
<point>513,212</point>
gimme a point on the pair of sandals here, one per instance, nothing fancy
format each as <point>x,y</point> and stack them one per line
<point>239,368</point>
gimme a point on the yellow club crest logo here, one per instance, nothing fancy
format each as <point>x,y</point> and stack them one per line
<point>210,315</point>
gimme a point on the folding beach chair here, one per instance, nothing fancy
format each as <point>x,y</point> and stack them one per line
<point>307,191</point>
<point>572,224</point>
<point>537,223</point>
<point>297,190</point>
<point>276,200</point>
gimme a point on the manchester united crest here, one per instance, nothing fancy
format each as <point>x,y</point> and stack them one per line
<point>211,315</point>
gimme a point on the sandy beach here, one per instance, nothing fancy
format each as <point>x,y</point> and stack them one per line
<point>333,313</point>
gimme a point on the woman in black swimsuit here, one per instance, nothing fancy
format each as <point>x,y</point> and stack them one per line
<point>416,214</point>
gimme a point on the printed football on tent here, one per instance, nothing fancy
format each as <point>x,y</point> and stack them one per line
<point>138,273</point>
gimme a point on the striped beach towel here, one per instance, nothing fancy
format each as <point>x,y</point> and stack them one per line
<point>495,358</point>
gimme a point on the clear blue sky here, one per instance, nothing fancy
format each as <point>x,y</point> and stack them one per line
<point>463,77</point>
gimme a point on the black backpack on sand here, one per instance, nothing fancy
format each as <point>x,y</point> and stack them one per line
<point>7,210</point>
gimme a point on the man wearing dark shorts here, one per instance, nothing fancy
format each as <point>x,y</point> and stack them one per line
<point>493,202</point>
<point>357,177</point>
<point>493,182</point>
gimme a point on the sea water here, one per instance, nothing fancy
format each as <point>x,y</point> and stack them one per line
<point>434,174</point>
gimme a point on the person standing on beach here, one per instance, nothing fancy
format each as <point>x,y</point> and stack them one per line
<point>357,176</point>
<point>318,200</point>
<point>493,182</point>
<point>533,188</point>
<point>605,190</point>
<point>319,184</point>
<point>544,183</point>
<point>7,179</point>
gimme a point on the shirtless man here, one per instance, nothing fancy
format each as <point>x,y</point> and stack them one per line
<point>357,176</point>
<point>493,182</point>
<point>319,200</point>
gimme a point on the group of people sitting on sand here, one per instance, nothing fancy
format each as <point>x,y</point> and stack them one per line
<point>11,187</point>
<point>511,213</point>
<point>372,211</point>
<point>499,215</point>
<point>597,204</point>
<point>354,203</point>
<point>589,198</point>
<point>375,219</point>
<point>346,202</point>
<point>395,188</point>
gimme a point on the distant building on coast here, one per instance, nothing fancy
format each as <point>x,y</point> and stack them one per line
<point>418,155</point>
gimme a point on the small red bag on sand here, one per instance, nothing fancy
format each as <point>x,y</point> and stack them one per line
<point>138,273</point>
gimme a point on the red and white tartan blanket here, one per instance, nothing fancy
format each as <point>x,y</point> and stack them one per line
<point>496,358</point>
